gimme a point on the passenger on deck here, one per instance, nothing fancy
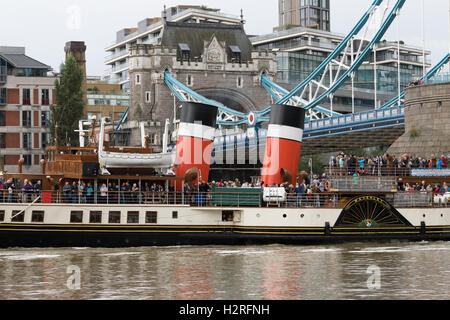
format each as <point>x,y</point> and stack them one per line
<point>67,192</point>
<point>104,194</point>
<point>89,193</point>
<point>37,188</point>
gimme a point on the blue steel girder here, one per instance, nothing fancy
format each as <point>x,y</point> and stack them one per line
<point>327,67</point>
<point>232,117</point>
<point>357,63</point>
<point>336,53</point>
<point>387,125</point>
<point>278,92</point>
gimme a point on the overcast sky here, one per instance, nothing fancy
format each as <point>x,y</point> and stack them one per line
<point>44,26</point>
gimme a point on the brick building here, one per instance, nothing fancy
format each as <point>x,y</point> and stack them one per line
<point>26,92</point>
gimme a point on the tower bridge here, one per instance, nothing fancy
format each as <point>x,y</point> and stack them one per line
<point>217,65</point>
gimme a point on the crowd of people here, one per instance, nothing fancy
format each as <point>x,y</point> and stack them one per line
<point>11,192</point>
<point>133,192</point>
<point>111,193</point>
<point>351,164</point>
<point>304,185</point>
<point>423,187</point>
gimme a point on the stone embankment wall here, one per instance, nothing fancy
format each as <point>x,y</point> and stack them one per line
<point>427,117</point>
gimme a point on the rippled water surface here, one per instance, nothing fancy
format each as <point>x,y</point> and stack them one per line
<point>407,271</point>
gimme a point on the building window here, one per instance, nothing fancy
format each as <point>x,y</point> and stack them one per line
<point>45,95</point>
<point>2,118</point>
<point>3,140</point>
<point>45,139</point>
<point>138,79</point>
<point>185,51</point>
<point>235,54</point>
<point>3,96</point>
<point>37,216</point>
<point>45,118</point>
<point>114,217</point>
<point>26,118</point>
<point>148,96</point>
<point>190,80</point>
<point>27,160</point>
<point>76,217</point>
<point>95,217</point>
<point>152,139</point>
<point>133,217</point>
<point>26,97</point>
<point>151,217</point>
<point>16,217</point>
<point>175,215</point>
<point>26,140</point>
<point>240,82</point>
<point>2,215</point>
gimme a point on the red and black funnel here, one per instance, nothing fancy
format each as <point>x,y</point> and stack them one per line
<point>283,146</point>
<point>195,142</point>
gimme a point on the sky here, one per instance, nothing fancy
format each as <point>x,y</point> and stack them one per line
<point>44,26</point>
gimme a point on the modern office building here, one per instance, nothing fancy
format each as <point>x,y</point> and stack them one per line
<point>26,92</point>
<point>313,14</point>
<point>149,31</point>
<point>301,50</point>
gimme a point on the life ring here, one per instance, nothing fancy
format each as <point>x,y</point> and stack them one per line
<point>327,185</point>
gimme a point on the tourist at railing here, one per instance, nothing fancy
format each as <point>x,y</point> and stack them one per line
<point>104,194</point>
<point>384,165</point>
<point>27,191</point>
<point>89,193</point>
<point>37,188</point>
<point>11,187</point>
<point>67,192</point>
<point>301,196</point>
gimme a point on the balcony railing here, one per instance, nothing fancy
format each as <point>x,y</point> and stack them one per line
<point>116,55</point>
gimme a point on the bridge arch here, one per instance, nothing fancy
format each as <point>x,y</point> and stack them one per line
<point>233,99</point>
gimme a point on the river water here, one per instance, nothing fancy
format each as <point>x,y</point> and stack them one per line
<point>351,271</point>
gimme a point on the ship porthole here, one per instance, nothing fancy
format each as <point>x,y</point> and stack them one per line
<point>302,216</point>
<point>285,216</point>
<point>258,215</point>
<point>424,215</point>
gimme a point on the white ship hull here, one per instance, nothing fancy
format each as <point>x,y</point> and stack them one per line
<point>153,225</point>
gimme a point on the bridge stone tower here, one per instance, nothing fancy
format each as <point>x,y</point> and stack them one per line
<point>215,60</point>
<point>427,122</point>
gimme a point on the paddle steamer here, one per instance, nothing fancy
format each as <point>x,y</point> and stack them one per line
<point>366,208</point>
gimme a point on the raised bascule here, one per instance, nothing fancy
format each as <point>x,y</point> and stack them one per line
<point>147,215</point>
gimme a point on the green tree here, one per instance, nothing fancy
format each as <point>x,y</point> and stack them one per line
<point>69,107</point>
<point>318,164</point>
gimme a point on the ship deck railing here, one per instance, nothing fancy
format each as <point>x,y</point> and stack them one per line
<point>331,200</point>
<point>375,171</point>
<point>364,184</point>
